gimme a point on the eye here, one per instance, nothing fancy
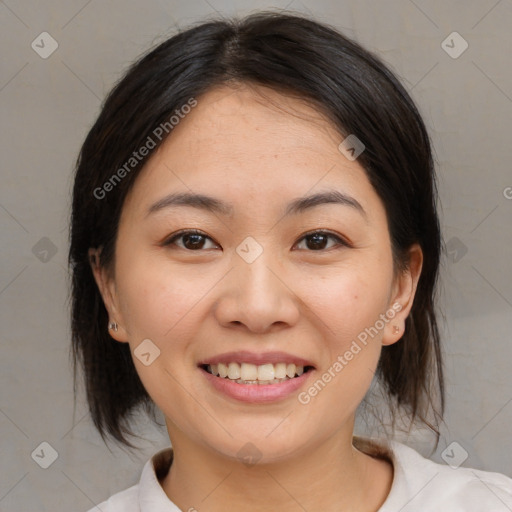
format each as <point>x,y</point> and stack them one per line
<point>193,239</point>
<point>318,240</point>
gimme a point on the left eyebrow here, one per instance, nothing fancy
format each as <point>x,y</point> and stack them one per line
<point>214,205</point>
<point>200,201</point>
<point>301,204</point>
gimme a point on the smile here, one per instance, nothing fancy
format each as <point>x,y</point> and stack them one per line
<point>264,374</point>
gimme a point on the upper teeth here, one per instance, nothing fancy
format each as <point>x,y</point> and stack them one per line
<point>248,371</point>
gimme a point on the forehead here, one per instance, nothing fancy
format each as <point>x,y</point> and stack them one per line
<point>256,120</point>
<point>251,142</point>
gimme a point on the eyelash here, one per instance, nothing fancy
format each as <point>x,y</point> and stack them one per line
<point>170,241</point>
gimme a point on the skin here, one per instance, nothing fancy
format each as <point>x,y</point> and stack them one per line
<point>238,146</point>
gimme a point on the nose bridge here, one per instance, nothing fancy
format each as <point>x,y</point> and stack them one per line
<point>256,270</point>
<point>257,295</point>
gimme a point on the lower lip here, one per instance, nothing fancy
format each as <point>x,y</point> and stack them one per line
<point>256,393</point>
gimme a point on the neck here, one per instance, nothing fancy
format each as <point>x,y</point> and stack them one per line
<point>331,476</point>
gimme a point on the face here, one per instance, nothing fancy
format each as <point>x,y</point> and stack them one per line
<point>263,281</point>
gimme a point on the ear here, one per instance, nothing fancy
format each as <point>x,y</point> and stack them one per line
<point>107,288</point>
<point>402,296</point>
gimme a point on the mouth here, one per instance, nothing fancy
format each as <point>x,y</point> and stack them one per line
<point>255,377</point>
<point>245,373</point>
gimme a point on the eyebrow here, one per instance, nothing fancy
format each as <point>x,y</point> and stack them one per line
<point>213,205</point>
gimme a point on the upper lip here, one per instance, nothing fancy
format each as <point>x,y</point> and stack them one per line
<point>257,358</point>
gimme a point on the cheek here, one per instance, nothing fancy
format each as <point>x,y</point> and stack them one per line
<point>159,306</point>
<point>346,309</point>
<point>164,305</point>
<point>347,305</point>
<point>156,300</point>
<point>346,301</point>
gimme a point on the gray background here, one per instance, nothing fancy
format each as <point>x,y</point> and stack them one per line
<point>47,106</point>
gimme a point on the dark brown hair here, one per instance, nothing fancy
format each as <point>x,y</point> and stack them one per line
<point>293,55</point>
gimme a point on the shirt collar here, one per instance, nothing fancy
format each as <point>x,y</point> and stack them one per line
<point>152,497</point>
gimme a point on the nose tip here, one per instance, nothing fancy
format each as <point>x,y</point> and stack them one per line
<point>258,298</point>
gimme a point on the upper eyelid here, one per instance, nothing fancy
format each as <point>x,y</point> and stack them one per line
<point>184,232</point>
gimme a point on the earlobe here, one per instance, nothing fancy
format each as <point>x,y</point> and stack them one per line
<point>404,291</point>
<point>106,288</point>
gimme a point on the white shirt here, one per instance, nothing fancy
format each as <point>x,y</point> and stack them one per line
<point>419,485</point>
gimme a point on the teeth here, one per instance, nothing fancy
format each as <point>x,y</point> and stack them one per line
<point>280,370</point>
<point>233,371</point>
<point>266,372</point>
<point>222,369</point>
<point>247,373</point>
<point>261,382</point>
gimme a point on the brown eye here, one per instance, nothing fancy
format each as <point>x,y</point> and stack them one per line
<point>318,240</point>
<point>192,240</point>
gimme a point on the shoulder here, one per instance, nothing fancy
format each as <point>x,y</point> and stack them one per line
<point>124,501</point>
<point>421,484</point>
<point>147,495</point>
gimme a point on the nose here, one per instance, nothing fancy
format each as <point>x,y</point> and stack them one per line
<point>258,296</point>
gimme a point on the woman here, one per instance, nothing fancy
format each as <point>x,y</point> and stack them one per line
<point>254,239</point>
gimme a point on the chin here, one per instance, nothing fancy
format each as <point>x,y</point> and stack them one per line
<point>258,442</point>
